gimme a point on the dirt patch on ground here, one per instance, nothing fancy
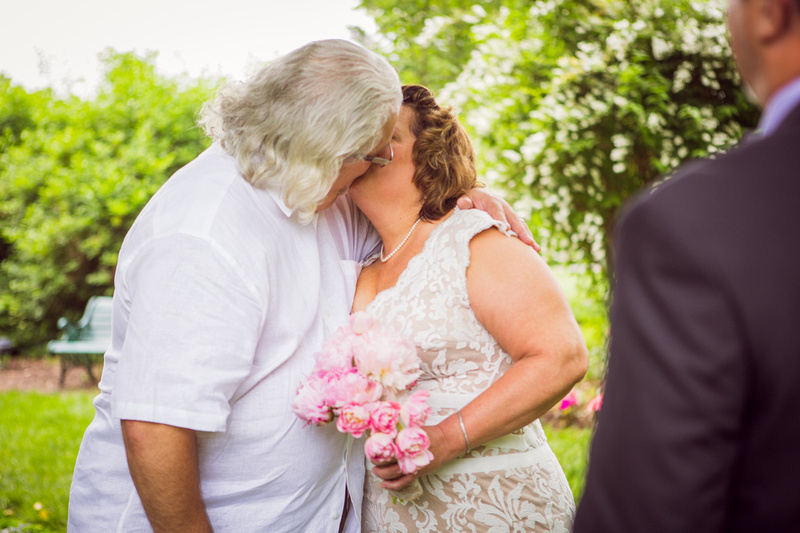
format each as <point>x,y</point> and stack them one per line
<point>21,373</point>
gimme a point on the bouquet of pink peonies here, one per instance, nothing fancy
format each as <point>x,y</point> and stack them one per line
<point>363,379</point>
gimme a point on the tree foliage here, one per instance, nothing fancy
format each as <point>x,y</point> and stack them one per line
<point>73,176</point>
<point>574,104</point>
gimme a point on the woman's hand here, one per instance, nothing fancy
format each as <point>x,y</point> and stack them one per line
<point>393,478</point>
<point>444,450</point>
<point>498,209</point>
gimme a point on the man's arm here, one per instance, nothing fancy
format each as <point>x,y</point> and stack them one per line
<point>664,453</point>
<point>163,463</point>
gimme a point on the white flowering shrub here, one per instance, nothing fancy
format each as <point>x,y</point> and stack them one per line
<point>574,104</point>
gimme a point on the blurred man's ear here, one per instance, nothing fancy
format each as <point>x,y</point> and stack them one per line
<point>773,19</point>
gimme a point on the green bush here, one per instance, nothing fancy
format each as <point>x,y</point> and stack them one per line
<point>587,298</point>
<point>73,176</point>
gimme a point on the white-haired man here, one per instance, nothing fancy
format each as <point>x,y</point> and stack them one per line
<point>226,286</point>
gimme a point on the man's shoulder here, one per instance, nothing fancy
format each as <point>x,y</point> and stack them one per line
<point>208,200</point>
<point>748,190</point>
<point>209,194</point>
<point>728,177</point>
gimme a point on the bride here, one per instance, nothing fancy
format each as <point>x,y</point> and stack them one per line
<point>498,342</point>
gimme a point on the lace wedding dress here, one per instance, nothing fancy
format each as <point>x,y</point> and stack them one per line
<point>513,483</point>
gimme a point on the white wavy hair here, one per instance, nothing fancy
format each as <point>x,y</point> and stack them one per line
<point>293,123</point>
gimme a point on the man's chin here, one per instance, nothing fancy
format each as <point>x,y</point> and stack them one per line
<point>751,95</point>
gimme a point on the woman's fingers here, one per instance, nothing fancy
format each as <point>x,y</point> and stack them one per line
<point>400,483</point>
<point>388,472</point>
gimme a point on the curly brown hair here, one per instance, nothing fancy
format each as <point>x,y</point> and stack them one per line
<point>442,153</point>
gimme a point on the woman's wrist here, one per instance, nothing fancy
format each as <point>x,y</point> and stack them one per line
<point>467,447</point>
<point>450,439</point>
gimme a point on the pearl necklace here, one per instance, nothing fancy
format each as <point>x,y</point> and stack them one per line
<point>384,259</point>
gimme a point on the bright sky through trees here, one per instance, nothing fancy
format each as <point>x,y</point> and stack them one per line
<point>56,43</point>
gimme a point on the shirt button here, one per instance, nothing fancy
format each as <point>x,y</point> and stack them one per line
<point>335,515</point>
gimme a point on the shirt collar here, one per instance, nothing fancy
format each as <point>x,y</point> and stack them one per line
<point>273,193</point>
<point>278,199</point>
<point>779,107</point>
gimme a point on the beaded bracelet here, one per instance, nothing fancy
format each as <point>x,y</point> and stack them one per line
<point>464,431</point>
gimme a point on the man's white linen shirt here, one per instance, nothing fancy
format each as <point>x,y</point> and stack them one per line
<point>221,301</point>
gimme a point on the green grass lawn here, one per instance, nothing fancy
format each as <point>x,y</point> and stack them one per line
<point>39,439</point>
<point>571,446</point>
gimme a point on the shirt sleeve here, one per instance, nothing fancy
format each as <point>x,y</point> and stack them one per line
<point>664,452</point>
<point>192,328</point>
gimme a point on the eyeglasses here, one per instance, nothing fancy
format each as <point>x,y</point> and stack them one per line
<point>380,161</point>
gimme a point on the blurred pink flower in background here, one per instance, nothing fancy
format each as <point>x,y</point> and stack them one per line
<point>568,401</point>
<point>596,403</point>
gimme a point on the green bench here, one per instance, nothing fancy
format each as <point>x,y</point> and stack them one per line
<point>84,342</point>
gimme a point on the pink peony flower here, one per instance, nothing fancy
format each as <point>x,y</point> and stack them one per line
<point>388,358</point>
<point>415,410</point>
<point>347,385</point>
<point>596,403</point>
<point>354,418</point>
<point>361,322</point>
<point>309,403</point>
<point>380,448</point>
<point>412,441</point>
<point>359,372</point>
<point>413,453</point>
<point>337,352</point>
<point>384,417</point>
<point>568,401</point>
<point>411,463</point>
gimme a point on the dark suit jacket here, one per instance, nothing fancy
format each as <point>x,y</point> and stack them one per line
<point>700,425</point>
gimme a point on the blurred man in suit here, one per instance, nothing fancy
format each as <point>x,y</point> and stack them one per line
<point>700,427</point>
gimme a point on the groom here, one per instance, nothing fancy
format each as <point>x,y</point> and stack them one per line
<point>700,427</point>
<point>226,286</point>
